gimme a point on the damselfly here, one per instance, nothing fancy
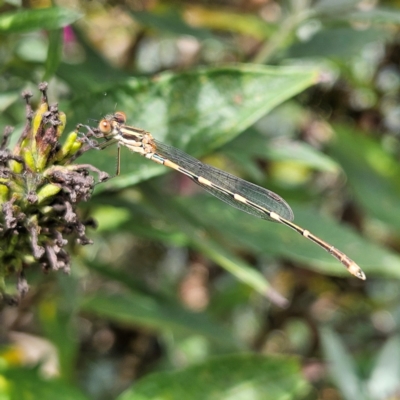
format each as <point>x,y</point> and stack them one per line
<point>237,192</point>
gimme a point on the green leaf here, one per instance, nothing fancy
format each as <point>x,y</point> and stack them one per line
<point>142,214</point>
<point>31,20</point>
<point>54,53</point>
<point>233,377</point>
<point>27,384</point>
<point>331,9</point>
<point>372,174</point>
<point>192,230</point>
<point>56,315</point>
<point>338,42</point>
<point>256,235</point>
<point>195,111</point>
<point>370,256</point>
<point>386,373</point>
<point>182,228</point>
<point>197,231</point>
<point>376,16</point>
<point>6,99</point>
<point>138,309</point>
<point>341,366</point>
<point>303,154</point>
<point>254,145</point>
<point>217,19</point>
<point>169,21</point>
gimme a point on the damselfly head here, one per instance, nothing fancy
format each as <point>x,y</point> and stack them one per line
<point>105,126</point>
<point>108,123</point>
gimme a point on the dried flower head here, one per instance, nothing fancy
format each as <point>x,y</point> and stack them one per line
<point>40,187</point>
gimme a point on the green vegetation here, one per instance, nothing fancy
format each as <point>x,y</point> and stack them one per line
<point>179,295</point>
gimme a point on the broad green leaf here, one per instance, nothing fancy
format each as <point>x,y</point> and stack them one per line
<point>341,366</point>
<point>233,377</point>
<point>195,111</point>
<point>139,309</point>
<point>43,18</point>
<point>372,174</point>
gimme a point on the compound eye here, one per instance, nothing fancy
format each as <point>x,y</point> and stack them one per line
<point>120,117</point>
<point>105,126</point>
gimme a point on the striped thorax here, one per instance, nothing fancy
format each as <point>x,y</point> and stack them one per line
<point>135,139</point>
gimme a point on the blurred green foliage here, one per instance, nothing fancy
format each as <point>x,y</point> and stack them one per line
<point>181,296</point>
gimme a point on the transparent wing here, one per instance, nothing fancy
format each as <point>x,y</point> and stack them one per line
<point>256,194</point>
